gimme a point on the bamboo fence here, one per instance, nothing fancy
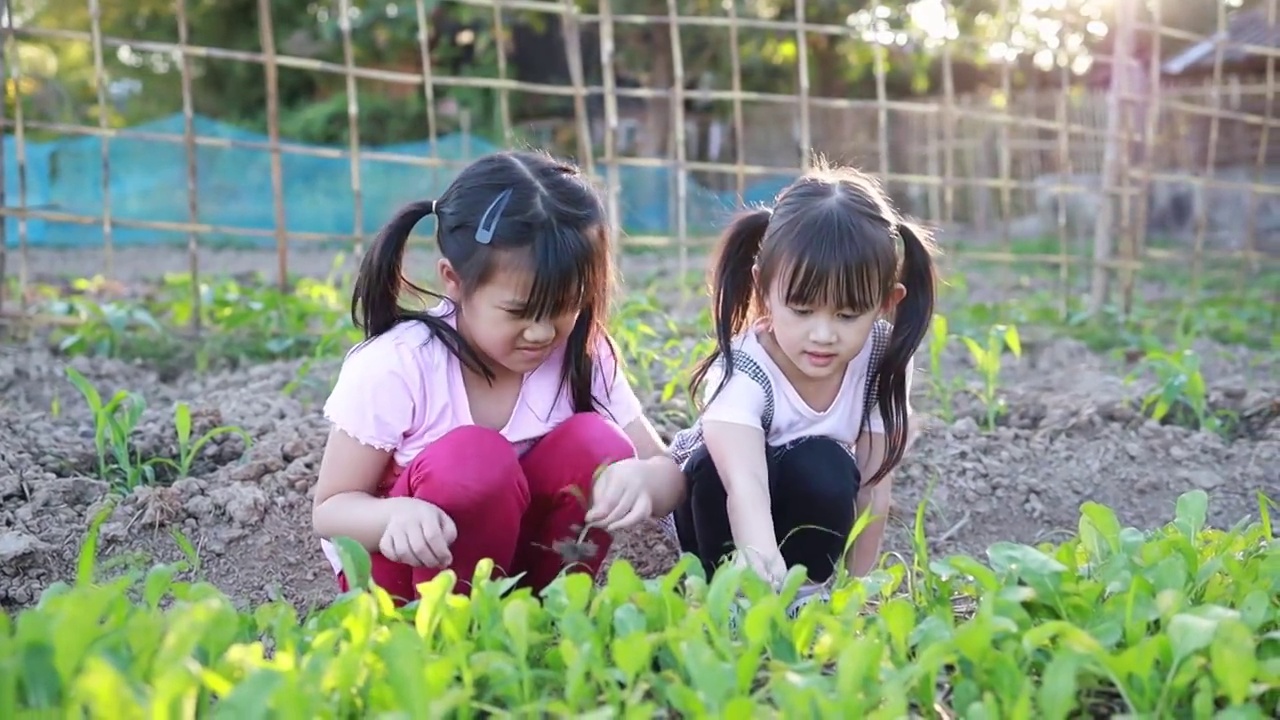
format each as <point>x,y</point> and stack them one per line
<point>936,149</point>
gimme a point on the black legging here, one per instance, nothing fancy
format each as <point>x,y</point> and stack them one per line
<point>813,485</point>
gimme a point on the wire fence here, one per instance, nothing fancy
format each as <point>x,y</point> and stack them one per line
<point>1129,163</point>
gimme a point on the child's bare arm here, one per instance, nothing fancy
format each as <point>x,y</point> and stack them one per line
<point>665,481</point>
<point>344,503</point>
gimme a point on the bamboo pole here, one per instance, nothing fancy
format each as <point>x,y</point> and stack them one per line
<point>5,20</point>
<point>572,32</point>
<point>189,132</point>
<point>267,35</point>
<point>613,182</point>
<point>1151,141</point>
<point>1210,160</point>
<point>100,87</point>
<point>353,127</point>
<point>739,125</point>
<point>802,87</point>
<point>680,148</point>
<point>1103,239</point>
<point>428,81</point>
<point>504,93</point>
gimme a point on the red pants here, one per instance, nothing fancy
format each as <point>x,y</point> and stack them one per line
<point>508,508</point>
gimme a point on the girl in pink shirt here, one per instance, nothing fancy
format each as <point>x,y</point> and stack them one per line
<point>806,408</point>
<point>497,423</point>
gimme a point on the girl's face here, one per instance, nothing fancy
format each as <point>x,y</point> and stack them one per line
<point>821,340</point>
<point>491,318</point>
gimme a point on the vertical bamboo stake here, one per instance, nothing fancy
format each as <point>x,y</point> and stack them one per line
<point>1005,159</point>
<point>267,37</point>
<point>1151,137</point>
<point>428,80</point>
<point>882,99</point>
<point>353,128</point>
<point>608,79</point>
<point>572,32</point>
<point>678,135</point>
<point>20,150</point>
<point>1103,241</point>
<point>932,150</point>
<point>1127,244</point>
<point>739,126</point>
<point>802,72</point>
<point>948,128</point>
<point>100,81</point>
<point>189,142</point>
<point>1211,157</point>
<point>504,95</point>
<point>5,34</point>
<point>1249,265</point>
<point>1065,170</point>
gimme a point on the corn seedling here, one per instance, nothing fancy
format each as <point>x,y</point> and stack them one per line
<point>119,463</point>
<point>941,387</point>
<point>188,450</point>
<point>987,360</point>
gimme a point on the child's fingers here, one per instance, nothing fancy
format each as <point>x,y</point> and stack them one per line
<point>605,498</point>
<point>638,512</point>
<point>398,548</point>
<point>625,505</point>
<point>447,529</point>
<point>434,542</point>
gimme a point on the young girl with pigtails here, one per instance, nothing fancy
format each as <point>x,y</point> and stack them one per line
<point>499,422</point>
<point>805,410</point>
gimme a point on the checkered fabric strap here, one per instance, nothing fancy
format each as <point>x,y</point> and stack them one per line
<point>688,440</point>
<point>880,333</point>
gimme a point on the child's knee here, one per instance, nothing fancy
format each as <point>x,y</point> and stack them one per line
<point>596,434</point>
<point>821,472</point>
<point>577,449</point>
<point>468,468</point>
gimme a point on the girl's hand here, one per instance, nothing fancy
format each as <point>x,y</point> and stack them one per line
<point>620,497</point>
<point>418,534</point>
<point>769,566</point>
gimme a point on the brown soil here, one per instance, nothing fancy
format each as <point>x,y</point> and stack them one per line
<point>1071,435</point>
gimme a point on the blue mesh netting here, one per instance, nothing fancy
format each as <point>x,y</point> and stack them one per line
<point>149,182</point>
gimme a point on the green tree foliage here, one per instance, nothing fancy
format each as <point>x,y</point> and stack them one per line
<point>59,83</point>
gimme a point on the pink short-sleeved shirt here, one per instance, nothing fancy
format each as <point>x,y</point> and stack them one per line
<point>742,400</point>
<point>403,389</point>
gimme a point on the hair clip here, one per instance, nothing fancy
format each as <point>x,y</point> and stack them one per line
<point>484,233</point>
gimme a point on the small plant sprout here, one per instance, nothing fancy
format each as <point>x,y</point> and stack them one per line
<point>119,463</point>
<point>941,387</point>
<point>188,451</point>
<point>987,361</point>
<point>1180,393</point>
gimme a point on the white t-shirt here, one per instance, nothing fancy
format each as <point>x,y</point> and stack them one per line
<point>742,400</point>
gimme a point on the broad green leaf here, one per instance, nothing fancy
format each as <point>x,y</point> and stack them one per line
<point>1190,634</point>
<point>1233,659</point>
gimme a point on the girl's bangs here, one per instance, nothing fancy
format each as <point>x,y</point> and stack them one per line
<point>841,274</point>
<point>564,269</point>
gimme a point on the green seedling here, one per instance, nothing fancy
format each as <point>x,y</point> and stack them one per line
<point>119,463</point>
<point>188,450</point>
<point>988,361</point>
<point>1180,393</point>
<point>941,387</point>
<point>1168,621</point>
